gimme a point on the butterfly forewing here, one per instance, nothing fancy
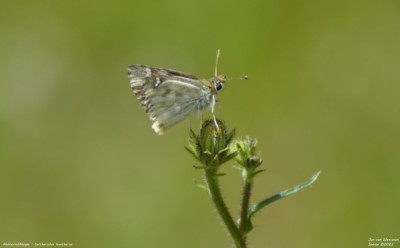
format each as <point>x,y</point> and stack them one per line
<point>168,96</point>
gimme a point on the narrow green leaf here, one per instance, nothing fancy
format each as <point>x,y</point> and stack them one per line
<point>228,157</point>
<point>192,152</point>
<point>257,172</point>
<point>256,207</point>
<point>223,150</point>
<point>197,167</point>
<point>200,185</point>
<point>231,134</point>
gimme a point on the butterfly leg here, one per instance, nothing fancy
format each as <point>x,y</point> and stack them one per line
<point>190,125</point>
<point>200,116</point>
<point>213,112</point>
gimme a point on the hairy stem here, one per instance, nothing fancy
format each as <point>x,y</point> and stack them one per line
<point>244,206</point>
<point>214,191</point>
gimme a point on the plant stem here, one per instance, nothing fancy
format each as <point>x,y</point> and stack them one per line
<point>245,206</point>
<point>211,179</point>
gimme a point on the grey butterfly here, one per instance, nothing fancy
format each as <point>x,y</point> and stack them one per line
<point>170,96</point>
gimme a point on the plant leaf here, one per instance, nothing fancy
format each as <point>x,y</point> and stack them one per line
<point>256,207</point>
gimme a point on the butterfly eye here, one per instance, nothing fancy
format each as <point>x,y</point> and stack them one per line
<point>218,86</point>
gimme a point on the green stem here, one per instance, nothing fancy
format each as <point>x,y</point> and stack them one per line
<point>245,206</point>
<point>211,179</point>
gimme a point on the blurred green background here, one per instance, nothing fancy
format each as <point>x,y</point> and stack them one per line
<point>79,162</point>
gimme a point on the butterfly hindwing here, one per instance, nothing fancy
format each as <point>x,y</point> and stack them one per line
<point>168,96</point>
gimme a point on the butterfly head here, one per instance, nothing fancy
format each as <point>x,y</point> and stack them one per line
<point>219,82</point>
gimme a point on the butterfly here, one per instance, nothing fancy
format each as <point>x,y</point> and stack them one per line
<point>170,96</point>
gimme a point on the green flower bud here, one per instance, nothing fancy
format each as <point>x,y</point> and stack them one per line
<point>247,158</point>
<point>211,146</point>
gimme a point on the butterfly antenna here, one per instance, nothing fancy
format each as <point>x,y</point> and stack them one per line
<point>241,78</point>
<point>216,63</point>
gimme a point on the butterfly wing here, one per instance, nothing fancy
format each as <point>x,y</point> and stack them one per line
<point>168,96</point>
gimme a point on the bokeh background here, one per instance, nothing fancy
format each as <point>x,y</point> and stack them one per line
<point>79,162</point>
